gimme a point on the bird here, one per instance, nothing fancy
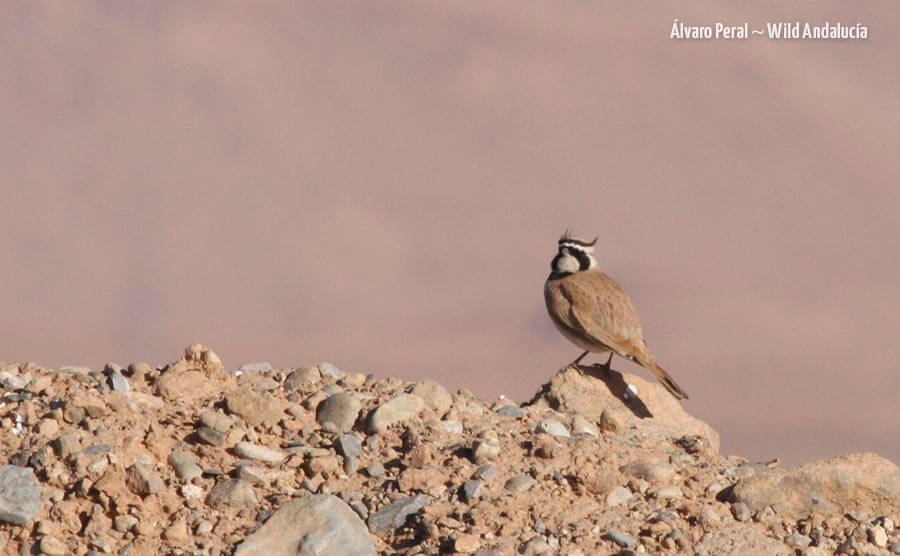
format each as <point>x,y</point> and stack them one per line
<point>593,312</point>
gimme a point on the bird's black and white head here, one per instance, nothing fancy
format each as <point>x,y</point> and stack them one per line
<point>574,255</point>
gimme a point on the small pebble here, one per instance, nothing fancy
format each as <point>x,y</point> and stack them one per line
<point>466,544</point>
<point>581,425</point>
<point>741,511</point>
<point>255,367</point>
<point>361,510</point>
<point>259,453</point>
<point>878,536</point>
<point>471,490</point>
<point>185,466</point>
<point>203,527</point>
<point>519,483</point>
<point>452,427</point>
<point>621,539</point>
<point>708,517</point>
<point>329,370</point>
<point>52,547</point>
<point>618,495</point>
<point>798,541</point>
<point>511,411</point>
<point>375,470</point>
<point>210,436</point>
<point>348,445</point>
<point>486,472</point>
<point>552,427</point>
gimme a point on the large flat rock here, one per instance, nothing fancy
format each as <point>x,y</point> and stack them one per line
<point>316,524</point>
<point>593,393</point>
<point>865,482</point>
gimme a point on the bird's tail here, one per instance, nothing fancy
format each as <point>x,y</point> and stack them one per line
<point>664,378</point>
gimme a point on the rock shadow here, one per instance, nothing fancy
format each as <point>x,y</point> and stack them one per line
<point>617,385</point>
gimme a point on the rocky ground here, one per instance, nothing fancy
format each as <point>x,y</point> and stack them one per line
<point>190,458</point>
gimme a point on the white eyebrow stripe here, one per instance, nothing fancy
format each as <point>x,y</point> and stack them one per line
<point>581,248</point>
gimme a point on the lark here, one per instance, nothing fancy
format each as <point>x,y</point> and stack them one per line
<point>593,312</point>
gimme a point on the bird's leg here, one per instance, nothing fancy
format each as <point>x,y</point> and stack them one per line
<point>578,360</point>
<point>605,366</point>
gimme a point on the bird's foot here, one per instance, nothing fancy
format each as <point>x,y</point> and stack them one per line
<point>605,367</point>
<point>575,366</point>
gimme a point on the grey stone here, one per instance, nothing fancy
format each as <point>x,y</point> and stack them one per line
<point>361,510</point>
<point>259,453</point>
<point>486,472</point>
<point>255,367</point>
<point>372,443</point>
<point>20,494</point>
<point>471,490</point>
<point>119,383</point>
<point>351,464</point>
<point>315,524</point>
<point>332,389</point>
<point>203,527</point>
<point>708,517</point>
<point>100,544</point>
<point>66,445</point>
<point>232,493</point>
<point>849,546</point>
<point>252,474</point>
<point>143,479</point>
<point>338,412</point>
<point>12,382</point>
<point>95,449</point>
<point>552,427</point>
<point>895,548</point>
<point>210,436</point>
<point>185,466</point>
<point>398,409</point>
<point>618,495</point>
<point>303,379</point>
<point>375,470</point>
<point>123,523</point>
<point>394,515</point>
<point>621,539</point>
<point>348,445</point>
<point>329,370</point>
<point>452,427</point>
<point>216,421</point>
<point>51,546</point>
<point>519,483</point>
<point>798,541</point>
<point>511,411</point>
<point>741,511</point>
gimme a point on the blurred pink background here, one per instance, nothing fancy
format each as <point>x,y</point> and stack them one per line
<point>381,185</point>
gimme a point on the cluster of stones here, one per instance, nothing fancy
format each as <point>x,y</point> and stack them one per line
<point>189,458</point>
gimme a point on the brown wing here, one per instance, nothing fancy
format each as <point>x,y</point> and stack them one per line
<point>593,306</point>
<point>600,309</point>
